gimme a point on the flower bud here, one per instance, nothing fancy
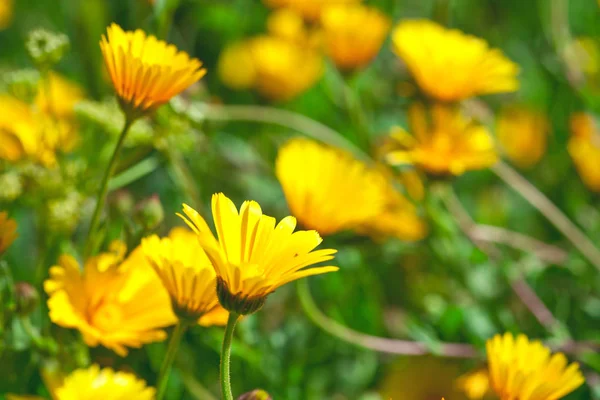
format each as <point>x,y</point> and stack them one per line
<point>46,48</point>
<point>257,394</point>
<point>123,202</point>
<point>26,298</point>
<point>149,213</point>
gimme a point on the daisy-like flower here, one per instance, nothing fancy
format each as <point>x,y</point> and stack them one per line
<point>188,276</point>
<point>526,370</point>
<point>94,383</point>
<point>353,34</point>
<point>112,301</point>
<point>522,134</point>
<point>252,255</point>
<point>327,189</point>
<point>146,72</point>
<point>57,96</point>
<point>475,384</point>
<point>447,144</point>
<point>8,231</point>
<point>584,148</point>
<point>309,9</point>
<point>449,65</point>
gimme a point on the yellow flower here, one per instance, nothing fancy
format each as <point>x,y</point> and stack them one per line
<point>8,231</point>
<point>310,9</point>
<point>524,370</point>
<point>287,24</point>
<point>277,68</point>
<point>63,96</point>
<point>449,144</point>
<point>353,34</point>
<point>475,384</point>
<point>327,189</point>
<point>522,134</point>
<point>186,273</point>
<point>94,383</point>
<point>252,256</point>
<point>584,148</point>
<point>113,302</point>
<point>6,13</point>
<point>146,72</point>
<point>449,65</point>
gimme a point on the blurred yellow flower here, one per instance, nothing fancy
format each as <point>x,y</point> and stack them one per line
<point>6,13</point>
<point>94,383</point>
<point>475,384</point>
<point>252,256</point>
<point>113,302</point>
<point>353,34</point>
<point>522,134</point>
<point>8,231</point>
<point>584,148</point>
<point>187,274</point>
<point>146,72</point>
<point>520,369</point>
<point>449,65</point>
<point>327,189</point>
<point>287,24</point>
<point>309,9</point>
<point>277,68</point>
<point>448,144</point>
<point>64,94</point>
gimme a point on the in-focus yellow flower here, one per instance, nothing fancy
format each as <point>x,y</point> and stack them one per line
<point>584,148</point>
<point>146,72</point>
<point>64,94</point>
<point>449,144</point>
<point>475,384</point>
<point>94,383</point>
<point>449,65</point>
<point>8,231</point>
<point>327,189</point>
<point>309,9</point>
<point>113,302</point>
<point>6,13</point>
<point>253,256</point>
<point>522,133</point>
<point>353,34</point>
<point>524,370</point>
<point>187,274</point>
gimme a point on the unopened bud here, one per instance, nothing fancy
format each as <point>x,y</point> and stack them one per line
<point>123,201</point>
<point>26,298</point>
<point>257,394</point>
<point>149,213</point>
<point>46,48</point>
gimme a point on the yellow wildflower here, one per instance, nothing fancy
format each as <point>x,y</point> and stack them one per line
<point>353,34</point>
<point>252,256</point>
<point>113,302</point>
<point>8,231</point>
<point>6,13</point>
<point>584,148</point>
<point>522,133</point>
<point>309,9</point>
<point>524,370</point>
<point>187,274</point>
<point>94,383</point>
<point>289,25</point>
<point>475,384</point>
<point>277,68</point>
<point>327,189</point>
<point>64,94</point>
<point>449,144</point>
<point>146,72</point>
<point>449,65</point>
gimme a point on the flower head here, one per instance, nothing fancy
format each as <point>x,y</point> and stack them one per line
<point>475,384</point>
<point>187,274</point>
<point>251,255</point>
<point>522,133</point>
<point>63,95</point>
<point>584,148</point>
<point>94,383</point>
<point>114,302</point>
<point>449,65</point>
<point>353,34</point>
<point>449,144</point>
<point>287,24</point>
<point>8,231</point>
<point>526,370</point>
<point>146,72</point>
<point>310,9</point>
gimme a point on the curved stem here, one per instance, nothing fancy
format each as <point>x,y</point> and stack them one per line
<point>110,170</point>
<point>165,368</point>
<point>226,357</point>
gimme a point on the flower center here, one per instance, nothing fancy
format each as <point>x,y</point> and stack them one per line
<point>107,317</point>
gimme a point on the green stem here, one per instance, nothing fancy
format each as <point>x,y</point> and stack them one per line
<point>165,368</point>
<point>226,357</point>
<point>110,170</point>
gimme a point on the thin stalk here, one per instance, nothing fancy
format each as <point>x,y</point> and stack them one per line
<point>226,357</point>
<point>101,197</point>
<point>165,368</point>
